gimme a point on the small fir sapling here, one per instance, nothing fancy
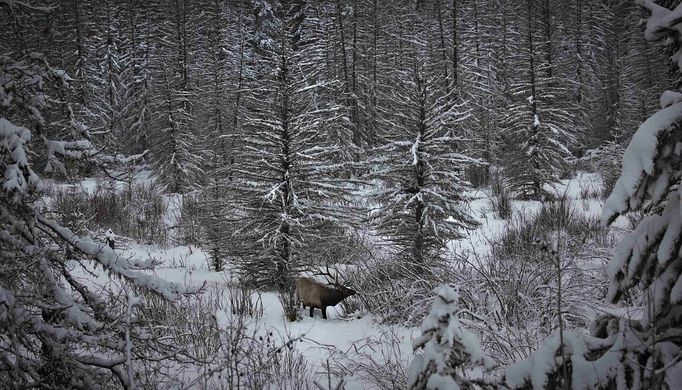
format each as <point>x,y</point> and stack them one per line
<point>448,349</point>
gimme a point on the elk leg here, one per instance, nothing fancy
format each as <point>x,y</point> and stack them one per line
<point>312,310</point>
<point>324,312</point>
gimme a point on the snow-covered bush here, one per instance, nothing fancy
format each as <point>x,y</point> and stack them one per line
<point>523,232</point>
<point>245,301</point>
<point>378,361</point>
<point>148,209</point>
<point>514,289</point>
<point>73,209</point>
<point>136,212</point>
<point>189,224</point>
<point>221,344</point>
<point>395,291</point>
<point>290,304</point>
<point>449,351</point>
<point>609,158</point>
<point>501,199</point>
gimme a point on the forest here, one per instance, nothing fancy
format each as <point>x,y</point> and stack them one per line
<point>340,194</point>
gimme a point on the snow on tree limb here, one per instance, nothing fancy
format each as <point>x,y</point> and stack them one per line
<point>118,265</point>
<point>651,142</point>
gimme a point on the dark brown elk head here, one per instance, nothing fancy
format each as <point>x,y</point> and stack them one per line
<point>333,280</point>
<point>343,290</point>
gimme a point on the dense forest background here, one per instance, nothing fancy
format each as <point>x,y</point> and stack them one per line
<point>188,81</point>
<point>242,100</point>
<point>349,139</point>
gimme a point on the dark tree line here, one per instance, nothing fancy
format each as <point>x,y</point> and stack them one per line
<point>275,110</point>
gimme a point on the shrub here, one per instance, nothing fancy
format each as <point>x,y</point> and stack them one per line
<point>589,191</point>
<point>378,361</point>
<point>222,346</point>
<point>73,209</point>
<point>136,212</point>
<point>290,304</point>
<point>148,211</point>
<point>394,291</point>
<point>515,290</point>
<point>501,200</point>
<point>609,164</point>
<point>189,223</point>
<point>242,302</point>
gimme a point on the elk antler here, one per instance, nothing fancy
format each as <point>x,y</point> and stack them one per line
<point>328,274</point>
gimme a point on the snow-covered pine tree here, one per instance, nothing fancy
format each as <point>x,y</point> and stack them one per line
<point>76,20</point>
<point>175,159</point>
<point>448,348</point>
<point>483,50</point>
<point>109,91</point>
<point>288,183</point>
<point>536,125</point>
<point>136,112</point>
<point>372,22</point>
<point>606,113</point>
<point>56,329</point>
<point>345,21</point>
<point>225,113</point>
<point>582,38</point>
<point>650,256</point>
<point>212,78</point>
<point>421,203</point>
<point>641,348</point>
<point>644,72</point>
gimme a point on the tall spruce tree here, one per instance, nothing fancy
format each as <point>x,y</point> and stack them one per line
<point>536,124</point>
<point>58,329</point>
<point>287,184</point>
<point>421,204</point>
<point>175,158</point>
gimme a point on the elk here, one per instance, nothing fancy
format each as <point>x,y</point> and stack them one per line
<point>317,295</point>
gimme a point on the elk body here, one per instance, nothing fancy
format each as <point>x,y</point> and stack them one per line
<point>317,295</point>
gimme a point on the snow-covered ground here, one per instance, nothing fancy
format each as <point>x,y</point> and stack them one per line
<point>339,335</point>
<point>477,242</point>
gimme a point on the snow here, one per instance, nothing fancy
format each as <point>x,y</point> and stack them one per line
<point>343,337</point>
<point>638,161</point>
<point>18,175</point>
<point>668,98</point>
<point>414,150</point>
<point>477,242</point>
<point>661,19</point>
<point>187,267</point>
<point>446,345</point>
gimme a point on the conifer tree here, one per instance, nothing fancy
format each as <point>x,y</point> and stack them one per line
<point>537,137</point>
<point>136,113</point>
<point>284,189</point>
<point>175,158</point>
<point>421,204</point>
<point>57,329</point>
<point>633,351</point>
